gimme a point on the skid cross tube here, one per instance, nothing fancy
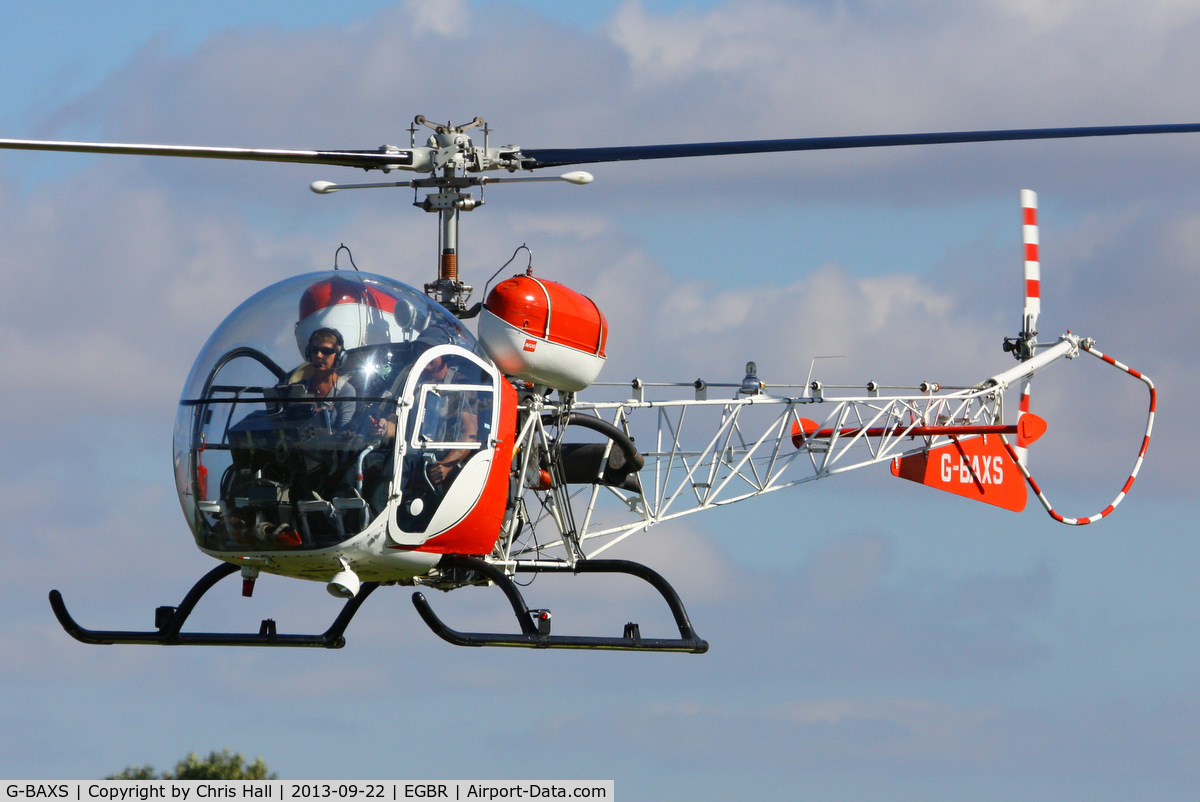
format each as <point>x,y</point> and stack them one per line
<point>535,624</point>
<point>169,622</point>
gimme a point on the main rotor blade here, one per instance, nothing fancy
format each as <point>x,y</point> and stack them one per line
<point>366,159</point>
<point>395,158</point>
<point>550,157</point>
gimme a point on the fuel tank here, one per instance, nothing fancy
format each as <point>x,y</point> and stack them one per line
<point>544,332</point>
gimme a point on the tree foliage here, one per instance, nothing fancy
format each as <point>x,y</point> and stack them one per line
<point>223,765</point>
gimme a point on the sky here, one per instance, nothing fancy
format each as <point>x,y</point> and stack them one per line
<point>868,640</point>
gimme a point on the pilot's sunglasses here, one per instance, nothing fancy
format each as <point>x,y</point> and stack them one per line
<point>324,350</point>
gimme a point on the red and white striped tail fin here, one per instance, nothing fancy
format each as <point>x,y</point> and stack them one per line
<point>1033,304</point>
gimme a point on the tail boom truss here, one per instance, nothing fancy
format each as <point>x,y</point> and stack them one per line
<point>703,453</point>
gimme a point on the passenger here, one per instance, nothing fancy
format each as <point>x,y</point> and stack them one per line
<point>325,353</point>
<point>452,420</point>
<point>447,419</point>
<point>383,425</point>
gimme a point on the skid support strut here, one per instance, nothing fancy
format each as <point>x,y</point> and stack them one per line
<point>535,624</point>
<point>169,623</point>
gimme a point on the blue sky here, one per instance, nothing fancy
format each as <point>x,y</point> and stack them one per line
<point>868,640</point>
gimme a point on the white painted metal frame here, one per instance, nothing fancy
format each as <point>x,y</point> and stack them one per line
<point>708,453</point>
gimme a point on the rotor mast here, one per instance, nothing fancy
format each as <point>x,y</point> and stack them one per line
<point>452,154</point>
<point>453,162</point>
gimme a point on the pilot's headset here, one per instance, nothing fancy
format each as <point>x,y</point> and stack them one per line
<point>325,334</point>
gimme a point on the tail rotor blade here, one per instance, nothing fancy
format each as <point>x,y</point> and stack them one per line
<point>1033,306</point>
<point>1033,268</point>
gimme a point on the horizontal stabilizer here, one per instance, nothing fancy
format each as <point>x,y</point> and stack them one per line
<point>977,468</point>
<point>1027,429</point>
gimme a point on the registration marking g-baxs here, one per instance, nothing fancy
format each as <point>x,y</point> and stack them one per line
<point>977,468</point>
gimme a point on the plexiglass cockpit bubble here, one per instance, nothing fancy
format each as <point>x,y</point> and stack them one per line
<point>282,430</point>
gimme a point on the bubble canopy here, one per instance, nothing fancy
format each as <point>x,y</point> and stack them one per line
<point>258,445</point>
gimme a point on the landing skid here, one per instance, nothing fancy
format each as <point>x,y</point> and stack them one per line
<point>169,623</point>
<point>535,624</point>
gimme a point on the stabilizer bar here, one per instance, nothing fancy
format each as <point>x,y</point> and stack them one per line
<point>169,623</point>
<point>535,624</point>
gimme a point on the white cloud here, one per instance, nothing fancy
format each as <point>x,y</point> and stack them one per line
<point>442,17</point>
<point>155,253</point>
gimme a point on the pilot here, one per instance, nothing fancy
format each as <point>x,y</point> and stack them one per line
<point>325,353</point>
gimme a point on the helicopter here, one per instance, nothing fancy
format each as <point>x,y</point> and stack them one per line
<point>346,428</point>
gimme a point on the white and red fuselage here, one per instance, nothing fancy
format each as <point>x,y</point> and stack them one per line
<point>421,468</point>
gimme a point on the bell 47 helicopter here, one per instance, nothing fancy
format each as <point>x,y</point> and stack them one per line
<point>346,428</point>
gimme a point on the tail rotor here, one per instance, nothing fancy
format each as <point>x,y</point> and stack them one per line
<point>1023,347</point>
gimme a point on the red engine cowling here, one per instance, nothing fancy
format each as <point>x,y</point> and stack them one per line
<point>544,332</point>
